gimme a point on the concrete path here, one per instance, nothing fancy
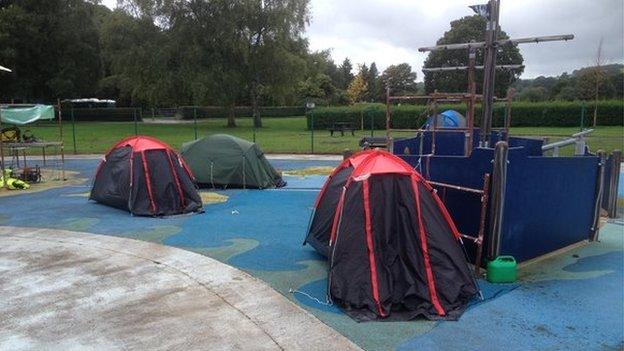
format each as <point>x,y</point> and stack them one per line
<point>63,290</point>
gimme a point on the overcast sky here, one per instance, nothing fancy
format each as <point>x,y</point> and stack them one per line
<point>391,31</point>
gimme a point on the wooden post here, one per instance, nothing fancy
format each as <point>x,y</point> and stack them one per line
<point>388,132</point>
<point>491,35</point>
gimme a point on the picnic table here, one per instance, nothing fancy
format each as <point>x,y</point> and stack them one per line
<point>342,127</point>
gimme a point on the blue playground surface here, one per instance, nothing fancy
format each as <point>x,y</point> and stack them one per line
<point>574,301</point>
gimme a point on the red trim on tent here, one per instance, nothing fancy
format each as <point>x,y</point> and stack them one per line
<point>371,248</point>
<point>141,143</point>
<point>177,180</point>
<point>100,165</point>
<point>425,251</point>
<point>327,181</point>
<point>352,161</point>
<point>148,182</point>
<point>336,220</point>
<point>186,168</point>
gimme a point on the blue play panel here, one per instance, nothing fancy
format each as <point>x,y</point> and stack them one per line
<point>574,301</point>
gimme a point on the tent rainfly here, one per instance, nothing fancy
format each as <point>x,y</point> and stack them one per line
<point>222,160</point>
<point>394,252</point>
<point>146,177</point>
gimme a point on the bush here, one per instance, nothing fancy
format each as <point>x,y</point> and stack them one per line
<point>186,112</point>
<point>121,114</point>
<point>539,114</point>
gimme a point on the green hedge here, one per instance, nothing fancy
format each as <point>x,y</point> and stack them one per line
<point>186,112</point>
<point>542,114</point>
<point>117,114</point>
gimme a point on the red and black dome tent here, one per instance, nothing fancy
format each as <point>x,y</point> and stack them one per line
<point>393,249</point>
<point>146,177</point>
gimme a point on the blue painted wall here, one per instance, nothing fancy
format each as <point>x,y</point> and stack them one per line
<point>549,201</point>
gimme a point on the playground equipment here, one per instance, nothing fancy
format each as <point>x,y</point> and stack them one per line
<point>505,196</point>
<point>577,139</point>
<point>24,114</point>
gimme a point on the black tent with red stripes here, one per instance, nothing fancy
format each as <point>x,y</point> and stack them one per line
<point>394,252</point>
<point>146,177</point>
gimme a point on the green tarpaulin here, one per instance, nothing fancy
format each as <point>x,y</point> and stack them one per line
<point>222,160</point>
<point>21,115</point>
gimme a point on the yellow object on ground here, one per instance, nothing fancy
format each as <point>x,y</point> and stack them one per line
<point>51,180</point>
<point>12,183</point>
<point>211,198</point>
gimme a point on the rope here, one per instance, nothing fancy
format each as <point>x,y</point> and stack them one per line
<point>327,303</point>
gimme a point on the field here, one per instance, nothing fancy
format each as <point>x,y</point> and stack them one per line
<point>279,135</point>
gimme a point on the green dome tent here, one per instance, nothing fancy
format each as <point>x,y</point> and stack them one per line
<point>222,160</point>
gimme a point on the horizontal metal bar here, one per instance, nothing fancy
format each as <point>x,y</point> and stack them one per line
<point>457,187</point>
<point>464,68</point>
<point>582,133</point>
<point>481,44</point>
<point>566,142</point>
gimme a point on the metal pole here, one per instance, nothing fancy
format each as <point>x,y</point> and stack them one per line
<point>4,181</point>
<point>491,35</point>
<point>484,205</point>
<point>388,130</point>
<point>497,204</point>
<point>312,133</point>
<point>434,120</point>
<point>195,122</point>
<point>615,180</point>
<point>58,103</point>
<point>602,159</point>
<point>134,117</point>
<point>254,131</point>
<point>478,45</point>
<point>472,92</point>
<point>73,120</point>
<point>582,115</point>
<point>372,124</point>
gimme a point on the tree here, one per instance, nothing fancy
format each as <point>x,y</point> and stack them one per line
<point>533,94</point>
<point>599,77</point>
<point>345,73</point>
<point>374,85</point>
<point>51,46</point>
<point>358,89</point>
<point>463,30</point>
<point>399,78</point>
<point>273,30</point>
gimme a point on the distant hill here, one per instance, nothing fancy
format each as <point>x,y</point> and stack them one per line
<point>579,85</point>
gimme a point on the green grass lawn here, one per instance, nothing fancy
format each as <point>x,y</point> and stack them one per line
<point>279,135</point>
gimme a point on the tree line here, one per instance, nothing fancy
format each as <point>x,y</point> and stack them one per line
<point>607,82</point>
<point>171,53</point>
<point>165,53</point>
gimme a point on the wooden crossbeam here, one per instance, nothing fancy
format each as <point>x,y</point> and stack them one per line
<point>465,68</point>
<point>482,44</point>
